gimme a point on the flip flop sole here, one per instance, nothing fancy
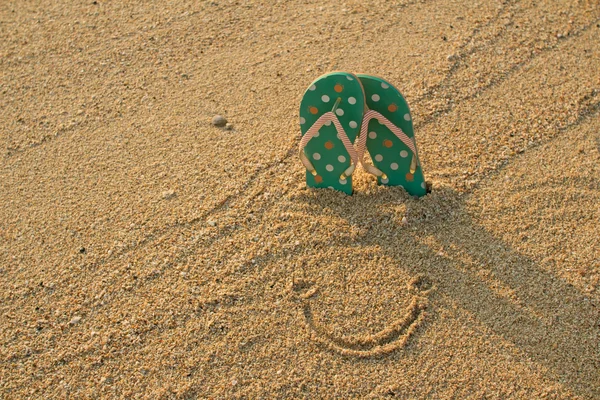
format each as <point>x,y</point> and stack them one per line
<point>342,92</point>
<point>388,152</point>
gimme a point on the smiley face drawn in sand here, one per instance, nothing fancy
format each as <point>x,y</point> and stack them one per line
<point>390,338</point>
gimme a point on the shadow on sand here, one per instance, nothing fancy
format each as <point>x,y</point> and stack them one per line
<point>548,319</point>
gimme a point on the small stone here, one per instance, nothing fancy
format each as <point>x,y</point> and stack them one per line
<point>404,220</point>
<point>168,194</point>
<point>218,120</point>
<point>228,127</point>
<point>212,223</point>
<point>451,57</point>
<point>82,250</point>
<point>75,320</point>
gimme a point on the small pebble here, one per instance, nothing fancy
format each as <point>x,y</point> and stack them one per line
<point>168,194</point>
<point>218,120</point>
<point>212,223</point>
<point>404,221</point>
<point>228,126</point>
<point>75,320</point>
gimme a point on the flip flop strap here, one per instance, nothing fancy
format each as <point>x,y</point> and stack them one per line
<point>362,139</point>
<point>314,129</point>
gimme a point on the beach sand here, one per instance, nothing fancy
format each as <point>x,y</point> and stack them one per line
<point>145,253</point>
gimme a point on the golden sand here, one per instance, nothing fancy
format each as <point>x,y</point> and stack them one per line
<point>145,253</point>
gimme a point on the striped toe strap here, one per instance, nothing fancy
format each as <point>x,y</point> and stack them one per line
<point>362,142</point>
<point>314,129</point>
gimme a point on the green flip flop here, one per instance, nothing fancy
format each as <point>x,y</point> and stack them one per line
<point>387,134</point>
<point>331,112</point>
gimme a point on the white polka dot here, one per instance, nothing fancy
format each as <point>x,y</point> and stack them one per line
<point>423,185</point>
<point>337,135</point>
<point>351,100</point>
<point>339,112</point>
<point>327,123</point>
<point>317,156</point>
<point>379,157</point>
<point>349,78</point>
<point>385,180</point>
<point>329,167</point>
<point>317,134</point>
<point>384,85</point>
<point>394,166</point>
<point>341,159</point>
<point>343,181</point>
<point>302,120</point>
<point>407,117</point>
<point>353,124</point>
<point>375,97</point>
<point>312,87</point>
<point>329,187</point>
<point>325,98</point>
<point>404,154</point>
<point>373,135</point>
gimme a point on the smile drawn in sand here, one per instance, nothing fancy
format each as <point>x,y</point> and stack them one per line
<point>389,339</point>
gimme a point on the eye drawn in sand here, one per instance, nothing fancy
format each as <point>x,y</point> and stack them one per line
<point>387,340</point>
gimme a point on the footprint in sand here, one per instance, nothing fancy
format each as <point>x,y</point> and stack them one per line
<point>387,340</point>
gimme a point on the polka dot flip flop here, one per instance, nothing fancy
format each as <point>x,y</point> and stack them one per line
<point>387,134</point>
<point>330,115</point>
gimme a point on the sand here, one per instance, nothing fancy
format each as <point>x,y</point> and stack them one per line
<point>145,253</point>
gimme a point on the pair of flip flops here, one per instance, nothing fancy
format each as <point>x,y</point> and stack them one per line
<point>343,116</point>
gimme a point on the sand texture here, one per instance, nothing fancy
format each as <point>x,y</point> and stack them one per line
<point>145,253</point>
